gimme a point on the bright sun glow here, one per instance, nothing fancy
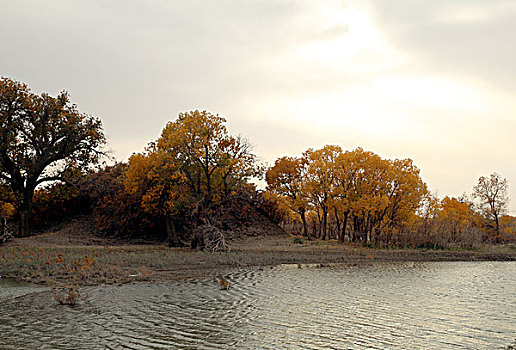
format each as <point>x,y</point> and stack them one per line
<point>359,48</point>
<point>378,101</point>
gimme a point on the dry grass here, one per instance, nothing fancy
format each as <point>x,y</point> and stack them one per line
<point>41,260</point>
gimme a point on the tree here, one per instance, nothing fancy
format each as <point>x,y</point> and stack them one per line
<point>209,160</point>
<point>320,182</point>
<point>334,190</point>
<point>42,138</point>
<point>457,220</point>
<point>491,193</point>
<point>154,177</point>
<point>363,179</point>
<point>194,165</point>
<point>507,229</point>
<point>285,179</point>
<point>406,192</point>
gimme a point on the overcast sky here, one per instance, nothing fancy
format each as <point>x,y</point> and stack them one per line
<point>431,80</point>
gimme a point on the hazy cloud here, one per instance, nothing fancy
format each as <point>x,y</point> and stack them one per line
<point>430,80</point>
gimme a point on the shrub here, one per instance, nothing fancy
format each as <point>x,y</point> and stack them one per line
<point>298,240</point>
<point>68,295</point>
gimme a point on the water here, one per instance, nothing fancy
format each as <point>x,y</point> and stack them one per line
<point>10,289</point>
<point>433,305</point>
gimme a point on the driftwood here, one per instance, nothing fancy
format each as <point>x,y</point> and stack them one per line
<point>209,238</point>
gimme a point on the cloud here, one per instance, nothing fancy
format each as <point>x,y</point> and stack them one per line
<point>430,80</point>
<point>472,38</point>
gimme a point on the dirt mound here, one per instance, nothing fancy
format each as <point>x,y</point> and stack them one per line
<point>78,231</point>
<point>259,225</point>
<point>245,216</point>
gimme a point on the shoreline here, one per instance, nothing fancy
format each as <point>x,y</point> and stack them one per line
<point>58,260</point>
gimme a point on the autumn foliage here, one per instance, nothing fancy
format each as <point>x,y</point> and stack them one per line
<point>195,181</point>
<point>354,195</point>
<point>194,167</point>
<point>357,196</point>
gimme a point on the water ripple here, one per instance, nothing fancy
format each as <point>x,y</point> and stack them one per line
<point>452,305</point>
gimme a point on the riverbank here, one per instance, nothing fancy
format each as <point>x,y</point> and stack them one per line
<point>71,258</point>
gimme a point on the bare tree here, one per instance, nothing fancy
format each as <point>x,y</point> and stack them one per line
<point>491,193</point>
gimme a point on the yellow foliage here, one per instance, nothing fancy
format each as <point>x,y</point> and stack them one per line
<point>194,161</point>
<point>456,216</point>
<point>359,187</point>
<point>6,210</point>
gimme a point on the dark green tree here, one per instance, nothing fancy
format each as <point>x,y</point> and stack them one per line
<point>42,138</point>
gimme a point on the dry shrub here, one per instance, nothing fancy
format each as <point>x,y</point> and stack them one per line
<point>55,203</point>
<point>121,215</point>
<point>209,238</point>
<point>471,237</point>
<point>5,232</point>
<point>67,295</point>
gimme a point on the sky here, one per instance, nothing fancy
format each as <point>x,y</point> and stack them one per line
<point>434,81</point>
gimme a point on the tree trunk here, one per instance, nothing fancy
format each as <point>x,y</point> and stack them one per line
<point>497,225</point>
<point>337,220</point>
<point>208,186</point>
<point>325,224</point>
<point>344,224</point>
<point>173,240</point>
<point>305,228</point>
<point>319,228</point>
<point>24,224</point>
<point>25,210</point>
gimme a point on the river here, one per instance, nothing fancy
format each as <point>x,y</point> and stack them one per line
<point>426,305</point>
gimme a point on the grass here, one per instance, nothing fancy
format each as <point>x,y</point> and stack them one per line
<point>298,240</point>
<point>79,265</point>
<point>62,266</point>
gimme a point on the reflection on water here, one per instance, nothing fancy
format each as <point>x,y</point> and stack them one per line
<point>460,305</point>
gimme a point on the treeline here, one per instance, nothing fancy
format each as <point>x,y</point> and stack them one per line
<point>178,187</point>
<point>354,195</point>
<point>189,187</point>
<point>358,196</point>
<point>192,186</point>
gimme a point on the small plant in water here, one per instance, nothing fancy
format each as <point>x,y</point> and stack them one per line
<point>68,295</point>
<point>223,282</point>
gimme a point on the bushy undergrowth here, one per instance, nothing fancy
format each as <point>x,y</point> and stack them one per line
<point>120,213</point>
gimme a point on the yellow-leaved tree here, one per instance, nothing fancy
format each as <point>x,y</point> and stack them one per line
<point>285,180</point>
<point>194,165</point>
<point>320,183</point>
<point>458,222</point>
<point>210,160</point>
<point>354,194</point>
<point>153,176</point>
